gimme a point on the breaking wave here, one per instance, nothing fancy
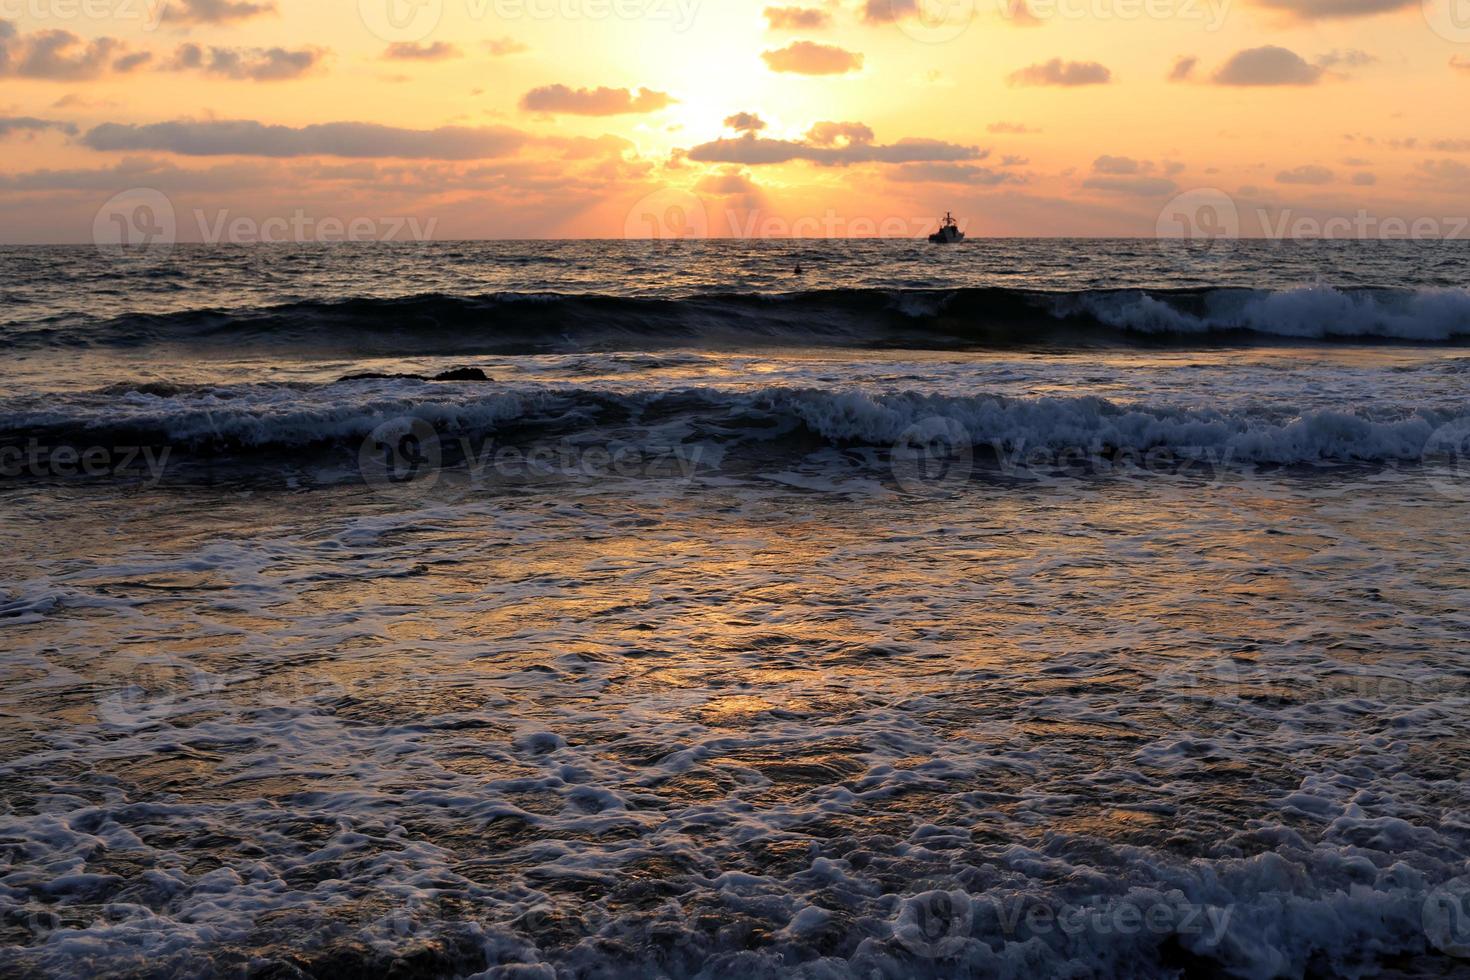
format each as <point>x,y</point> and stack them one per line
<point>511,323</point>
<point>251,421</point>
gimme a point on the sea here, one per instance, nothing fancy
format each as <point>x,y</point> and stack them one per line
<point>725,609</point>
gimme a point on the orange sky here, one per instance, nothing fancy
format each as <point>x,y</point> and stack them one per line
<point>237,119</point>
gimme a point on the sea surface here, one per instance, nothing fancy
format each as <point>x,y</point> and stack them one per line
<point>1017,609</point>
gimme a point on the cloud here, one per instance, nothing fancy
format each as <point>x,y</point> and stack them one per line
<point>1183,68</point>
<point>1305,174</point>
<point>132,62</point>
<point>55,54</point>
<point>212,11</point>
<point>1058,72</point>
<point>137,171</point>
<point>730,182</point>
<point>1018,129</point>
<point>501,47</point>
<point>889,11</point>
<point>1119,165</point>
<point>1460,63</point>
<point>1131,186</point>
<point>745,122</point>
<point>1365,179</point>
<point>30,124</point>
<point>839,134</point>
<point>245,137</point>
<point>830,144</point>
<point>412,51</point>
<point>254,64</point>
<point>1267,65</point>
<point>593,102</point>
<point>797,18</point>
<point>1450,173</point>
<point>72,100</point>
<point>810,58</point>
<point>952,173</point>
<point>1336,9</point>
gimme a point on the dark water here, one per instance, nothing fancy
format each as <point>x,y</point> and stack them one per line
<point>1022,609</point>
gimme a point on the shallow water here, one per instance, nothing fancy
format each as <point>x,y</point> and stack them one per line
<point>808,660</point>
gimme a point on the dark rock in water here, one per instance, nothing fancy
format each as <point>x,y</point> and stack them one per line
<point>456,374</point>
<point>463,374</point>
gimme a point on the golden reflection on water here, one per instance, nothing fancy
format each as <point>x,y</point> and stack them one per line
<point>998,621</point>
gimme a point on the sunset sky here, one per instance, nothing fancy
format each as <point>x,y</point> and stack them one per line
<point>605,118</point>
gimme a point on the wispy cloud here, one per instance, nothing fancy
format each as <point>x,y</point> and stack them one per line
<point>811,58</point>
<point>594,102</point>
<point>246,137</point>
<point>1062,73</point>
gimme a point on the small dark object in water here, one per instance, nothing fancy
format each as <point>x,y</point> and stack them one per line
<point>456,374</point>
<point>798,268</point>
<point>462,374</point>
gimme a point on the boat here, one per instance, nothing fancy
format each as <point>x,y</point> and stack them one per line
<point>949,233</point>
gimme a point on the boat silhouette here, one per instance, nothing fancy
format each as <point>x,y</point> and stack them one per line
<point>949,232</point>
